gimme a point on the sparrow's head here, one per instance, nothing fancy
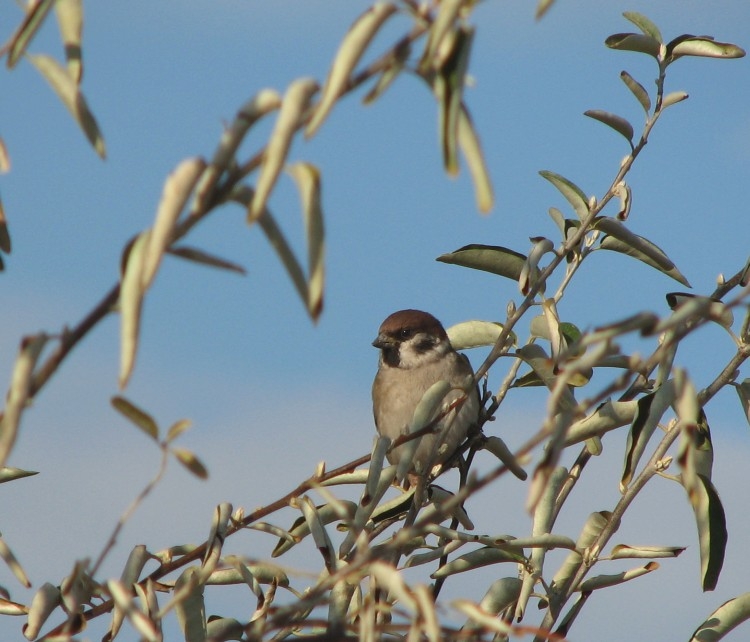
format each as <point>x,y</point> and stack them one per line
<point>411,338</point>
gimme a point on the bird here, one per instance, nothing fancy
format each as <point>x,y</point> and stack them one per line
<point>415,353</point>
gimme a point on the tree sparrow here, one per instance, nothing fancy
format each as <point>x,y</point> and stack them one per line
<point>415,353</point>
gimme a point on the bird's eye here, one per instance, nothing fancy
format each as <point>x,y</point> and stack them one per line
<point>405,333</point>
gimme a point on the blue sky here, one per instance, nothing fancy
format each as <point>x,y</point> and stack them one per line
<point>269,393</point>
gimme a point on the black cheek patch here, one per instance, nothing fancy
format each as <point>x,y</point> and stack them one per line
<point>390,356</point>
<point>425,345</point>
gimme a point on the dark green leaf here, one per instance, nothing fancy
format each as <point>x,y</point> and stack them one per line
<point>634,42</point>
<point>712,531</point>
<point>644,24</point>
<point>618,123</point>
<point>638,90</point>
<point>204,258</point>
<point>489,258</point>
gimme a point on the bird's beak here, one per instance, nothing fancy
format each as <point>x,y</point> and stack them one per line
<point>382,341</point>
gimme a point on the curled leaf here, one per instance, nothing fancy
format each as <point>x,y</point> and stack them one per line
<point>293,107</point>
<point>307,178</point>
<point>350,51</point>
<point>712,531</point>
<point>131,303</point>
<point>475,334</point>
<point>634,42</point>
<point>19,392</point>
<point>177,190</point>
<point>702,46</point>
<point>728,616</point>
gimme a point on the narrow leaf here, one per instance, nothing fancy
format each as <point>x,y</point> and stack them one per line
<point>620,239</point>
<point>293,107</point>
<point>638,90</point>
<point>618,123</point>
<point>136,416</point>
<point>489,258</point>
<point>605,581</point>
<point>67,90</point>
<point>13,564</point>
<point>472,151</point>
<point>651,407</point>
<point>476,559</point>
<point>10,474</point>
<point>593,526</point>
<point>350,51</point>
<point>261,104</point>
<point>542,8</point>
<point>623,551</point>
<point>448,86</point>
<point>728,616</point>
<point>399,56</point>
<point>279,243</point>
<point>70,22</point>
<point>178,428</point>
<point>634,42</point>
<point>572,193</point>
<point>204,258</point>
<point>498,447</point>
<point>445,19</point>
<point>327,513</point>
<point>320,535</point>
<point>176,191</point>
<point>644,24</point>
<point>712,531</point>
<point>743,391</point>
<point>188,459</point>
<point>131,303</point>
<point>36,13</point>
<point>19,392</point>
<point>307,178</point>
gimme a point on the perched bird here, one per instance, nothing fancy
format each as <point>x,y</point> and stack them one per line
<point>415,353</point>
